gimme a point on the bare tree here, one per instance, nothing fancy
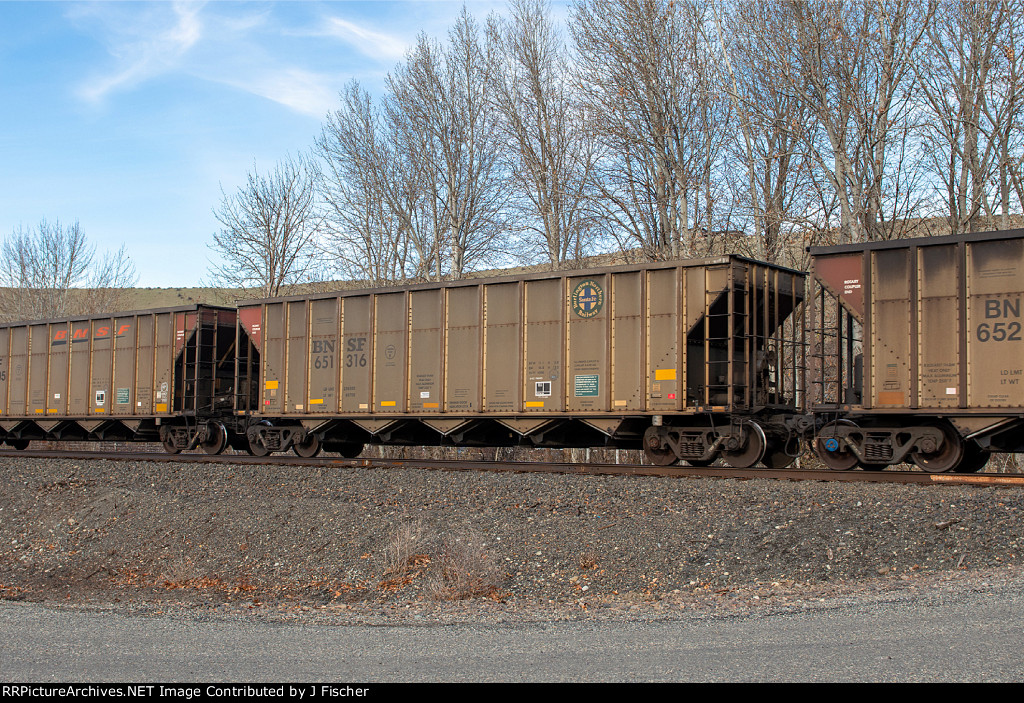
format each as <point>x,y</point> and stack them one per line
<point>654,101</point>
<point>370,198</point>
<point>850,63</point>
<point>446,129</point>
<point>1008,117</point>
<point>52,271</point>
<point>550,154</point>
<point>772,183</point>
<point>970,78</point>
<point>268,239</point>
<point>955,84</point>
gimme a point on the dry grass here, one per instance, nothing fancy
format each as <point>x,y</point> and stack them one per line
<point>464,569</point>
<point>405,548</point>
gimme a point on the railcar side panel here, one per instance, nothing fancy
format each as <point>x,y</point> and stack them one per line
<point>426,345</point>
<point>938,328</point>
<point>502,349</point>
<point>19,371</point>
<point>390,358</point>
<point>545,378</point>
<point>100,373</point>
<point>462,341</point>
<point>627,384</point>
<point>125,360</point>
<point>891,277</point>
<point>663,353</point>
<point>274,368</point>
<point>78,384</point>
<point>695,371</point>
<point>356,354</point>
<point>587,340</point>
<point>296,357</point>
<point>38,369</point>
<point>5,369</point>
<point>322,355</point>
<point>60,367</point>
<point>164,363</point>
<point>995,338</point>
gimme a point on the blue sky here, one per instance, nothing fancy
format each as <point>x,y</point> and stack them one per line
<point>130,116</point>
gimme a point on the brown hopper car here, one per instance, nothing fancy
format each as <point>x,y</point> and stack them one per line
<point>131,376</point>
<point>689,360</point>
<point>890,352</point>
<point>918,351</point>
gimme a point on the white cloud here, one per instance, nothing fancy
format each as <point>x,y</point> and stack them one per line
<point>303,91</point>
<point>144,46</point>
<point>373,44</point>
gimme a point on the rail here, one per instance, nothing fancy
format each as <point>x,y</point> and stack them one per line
<point>571,468</point>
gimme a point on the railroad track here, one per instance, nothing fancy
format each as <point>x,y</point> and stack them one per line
<point>680,471</point>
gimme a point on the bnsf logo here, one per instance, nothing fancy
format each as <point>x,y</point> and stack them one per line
<point>83,334</point>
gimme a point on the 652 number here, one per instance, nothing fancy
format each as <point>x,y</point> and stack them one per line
<point>999,332</point>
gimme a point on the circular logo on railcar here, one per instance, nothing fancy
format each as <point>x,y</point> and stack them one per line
<point>587,298</point>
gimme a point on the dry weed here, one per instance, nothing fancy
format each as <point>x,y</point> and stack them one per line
<point>464,569</point>
<point>404,548</point>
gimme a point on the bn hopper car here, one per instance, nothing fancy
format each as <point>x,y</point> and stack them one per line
<point>918,351</point>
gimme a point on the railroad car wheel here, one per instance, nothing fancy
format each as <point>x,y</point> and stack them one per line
<point>255,445</point>
<point>832,452</point>
<point>659,453</point>
<point>216,439</point>
<point>946,457</point>
<point>974,459</point>
<point>751,452</point>
<point>18,444</point>
<point>168,441</point>
<point>777,459</point>
<point>309,447</point>
<point>256,448</point>
<point>349,450</point>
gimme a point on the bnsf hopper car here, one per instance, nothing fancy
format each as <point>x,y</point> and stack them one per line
<point>689,360</point>
<point>889,352</point>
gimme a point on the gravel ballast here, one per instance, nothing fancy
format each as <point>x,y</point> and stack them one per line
<point>384,545</point>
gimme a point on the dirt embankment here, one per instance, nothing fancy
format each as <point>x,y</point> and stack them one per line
<point>382,541</point>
